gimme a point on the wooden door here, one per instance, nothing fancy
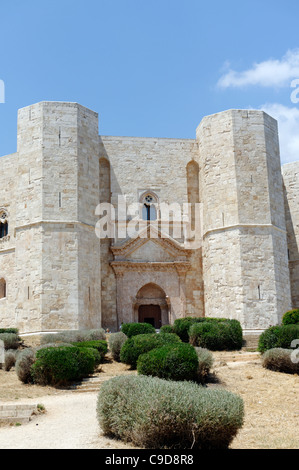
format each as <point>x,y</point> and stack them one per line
<point>150,314</point>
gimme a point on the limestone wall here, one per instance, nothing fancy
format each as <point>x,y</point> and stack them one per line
<point>8,166</point>
<point>245,262</point>
<point>138,165</point>
<point>58,253</point>
<point>290,173</point>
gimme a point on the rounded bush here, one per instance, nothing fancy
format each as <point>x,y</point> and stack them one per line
<point>10,359</point>
<point>171,362</point>
<point>10,340</point>
<point>159,414</point>
<point>24,362</point>
<point>291,317</point>
<point>281,360</point>
<point>205,363</point>
<point>166,329</point>
<point>60,365</point>
<point>141,344</point>
<point>224,335</point>
<point>278,337</point>
<point>116,341</point>
<point>101,346</point>
<point>182,326</point>
<point>133,329</point>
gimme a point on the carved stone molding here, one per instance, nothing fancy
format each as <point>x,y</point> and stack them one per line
<point>120,267</point>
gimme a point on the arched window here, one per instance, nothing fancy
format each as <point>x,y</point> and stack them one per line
<point>149,206</point>
<point>2,288</point>
<point>3,224</point>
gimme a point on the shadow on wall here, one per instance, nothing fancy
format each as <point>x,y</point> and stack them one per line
<point>293,254</point>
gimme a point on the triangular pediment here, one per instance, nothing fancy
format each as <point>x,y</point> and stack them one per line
<point>150,246</point>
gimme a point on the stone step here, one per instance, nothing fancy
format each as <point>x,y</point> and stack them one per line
<point>18,420</point>
<point>12,414</point>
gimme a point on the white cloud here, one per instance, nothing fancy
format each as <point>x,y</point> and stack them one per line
<point>288,127</point>
<point>270,73</point>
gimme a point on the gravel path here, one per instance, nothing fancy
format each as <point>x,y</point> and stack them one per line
<point>69,423</point>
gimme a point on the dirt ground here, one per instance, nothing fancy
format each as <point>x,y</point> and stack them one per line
<point>271,402</point>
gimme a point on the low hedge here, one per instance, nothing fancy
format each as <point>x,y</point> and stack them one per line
<point>101,346</point>
<point>159,414</point>
<point>281,360</point>
<point>60,365</point>
<point>223,335</point>
<point>133,329</point>
<point>9,330</point>
<point>142,344</point>
<point>24,361</point>
<point>171,362</point>
<point>291,317</point>
<point>116,341</point>
<point>278,337</point>
<point>10,340</point>
<point>74,336</point>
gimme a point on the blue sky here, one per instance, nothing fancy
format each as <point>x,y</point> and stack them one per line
<point>151,68</point>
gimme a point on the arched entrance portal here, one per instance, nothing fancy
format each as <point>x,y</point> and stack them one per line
<point>152,306</point>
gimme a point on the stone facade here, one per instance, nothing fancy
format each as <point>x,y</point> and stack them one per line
<point>55,273</point>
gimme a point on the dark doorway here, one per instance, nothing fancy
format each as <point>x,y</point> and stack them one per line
<point>150,314</point>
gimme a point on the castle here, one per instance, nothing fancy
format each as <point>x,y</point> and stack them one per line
<point>57,273</point>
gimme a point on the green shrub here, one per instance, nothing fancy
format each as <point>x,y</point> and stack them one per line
<point>101,346</point>
<point>60,365</point>
<point>182,326</point>
<point>280,360</point>
<point>141,344</point>
<point>159,414</point>
<point>10,340</point>
<point>116,341</point>
<point>74,336</point>
<point>9,330</point>
<point>96,354</point>
<point>224,335</point>
<point>291,317</point>
<point>171,362</point>
<point>24,362</point>
<point>278,337</point>
<point>205,363</point>
<point>133,329</point>
<point>166,329</point>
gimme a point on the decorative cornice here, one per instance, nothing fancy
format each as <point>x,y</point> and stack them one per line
<point>120,267</point>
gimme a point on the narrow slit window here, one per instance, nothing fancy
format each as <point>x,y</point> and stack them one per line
<point>2,289</point>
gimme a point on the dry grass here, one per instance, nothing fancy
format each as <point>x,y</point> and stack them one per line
<point>271,405</point>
